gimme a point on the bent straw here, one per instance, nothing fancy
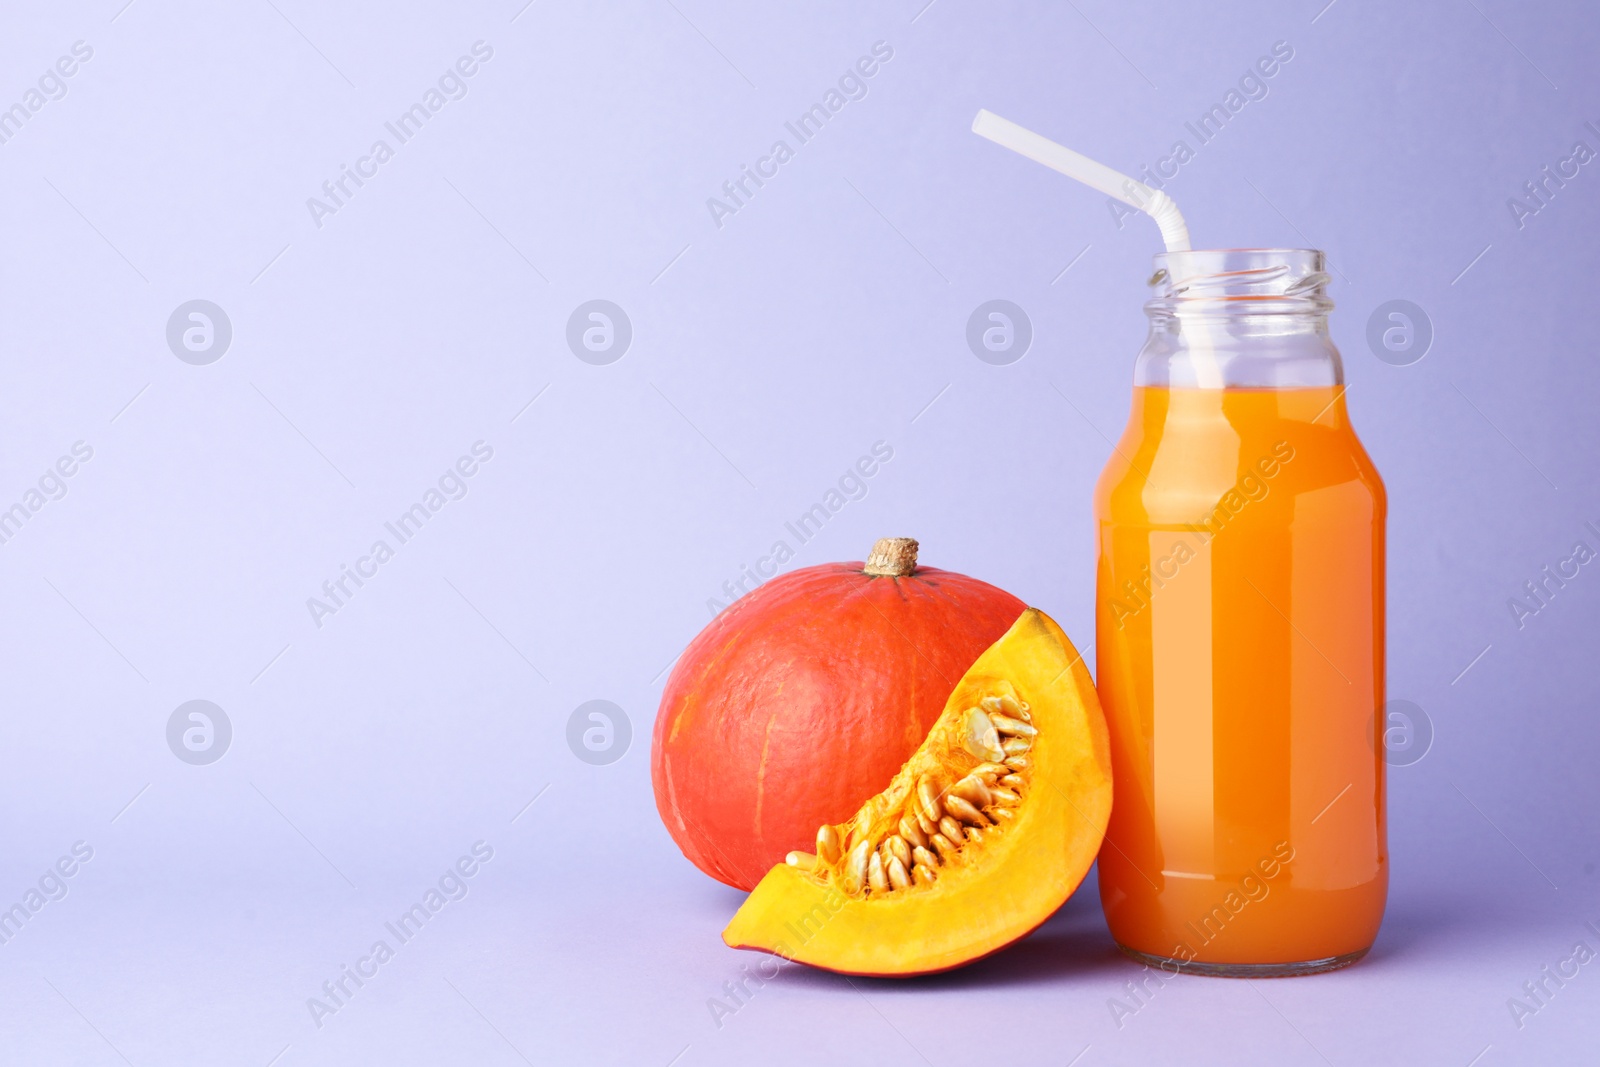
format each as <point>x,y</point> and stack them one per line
<point>1098,176</point>
<point>1153,202</point>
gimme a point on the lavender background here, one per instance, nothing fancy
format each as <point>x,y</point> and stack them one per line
<point>828,313</point>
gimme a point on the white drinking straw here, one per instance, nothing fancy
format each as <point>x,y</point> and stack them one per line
<point>1153,202</point>
<point>1098,176</point>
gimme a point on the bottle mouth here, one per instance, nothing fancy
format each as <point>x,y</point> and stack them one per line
<point>1241,280</point>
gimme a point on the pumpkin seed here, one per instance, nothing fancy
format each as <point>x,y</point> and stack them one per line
<point>981,738</point>
<point>898,878</point>
<point>962,809</point>
<point>1015,727</point>
<point>928,798</point>
<point>896,848</point>
<point>875,876</point>
<point>828,844</point>
<point>855,867</point>
<point>972,790</point>
<point>1015,708</point>
<point>804,861</point>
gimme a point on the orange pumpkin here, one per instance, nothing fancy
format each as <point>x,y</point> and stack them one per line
<point>801,699</point>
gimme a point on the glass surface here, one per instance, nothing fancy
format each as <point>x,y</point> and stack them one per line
<point>1243,970</point>
<point>1257,315</point>
<point>1240,641</point>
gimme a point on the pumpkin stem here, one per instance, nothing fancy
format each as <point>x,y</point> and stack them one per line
<point>892,557</point>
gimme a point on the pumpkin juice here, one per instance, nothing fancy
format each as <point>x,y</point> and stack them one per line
<point>1240,660</point>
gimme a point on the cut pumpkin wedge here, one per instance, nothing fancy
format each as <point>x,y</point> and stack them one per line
<point>985,831</point>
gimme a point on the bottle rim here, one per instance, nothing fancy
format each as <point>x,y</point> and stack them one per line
<point>1249,281</point>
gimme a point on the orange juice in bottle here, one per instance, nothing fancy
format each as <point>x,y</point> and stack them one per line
<point>1240,632</point>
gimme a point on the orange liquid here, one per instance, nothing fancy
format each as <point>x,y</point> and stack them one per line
<point>1240,663</point>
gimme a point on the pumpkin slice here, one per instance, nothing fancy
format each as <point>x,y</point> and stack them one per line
<point>981,836</point>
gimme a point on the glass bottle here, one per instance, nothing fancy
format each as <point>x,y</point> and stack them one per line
<point>1240,632</point>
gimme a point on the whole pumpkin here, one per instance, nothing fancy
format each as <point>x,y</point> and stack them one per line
<point>802,698</point>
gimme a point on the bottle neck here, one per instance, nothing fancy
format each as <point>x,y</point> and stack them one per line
<point>1239,318</point>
